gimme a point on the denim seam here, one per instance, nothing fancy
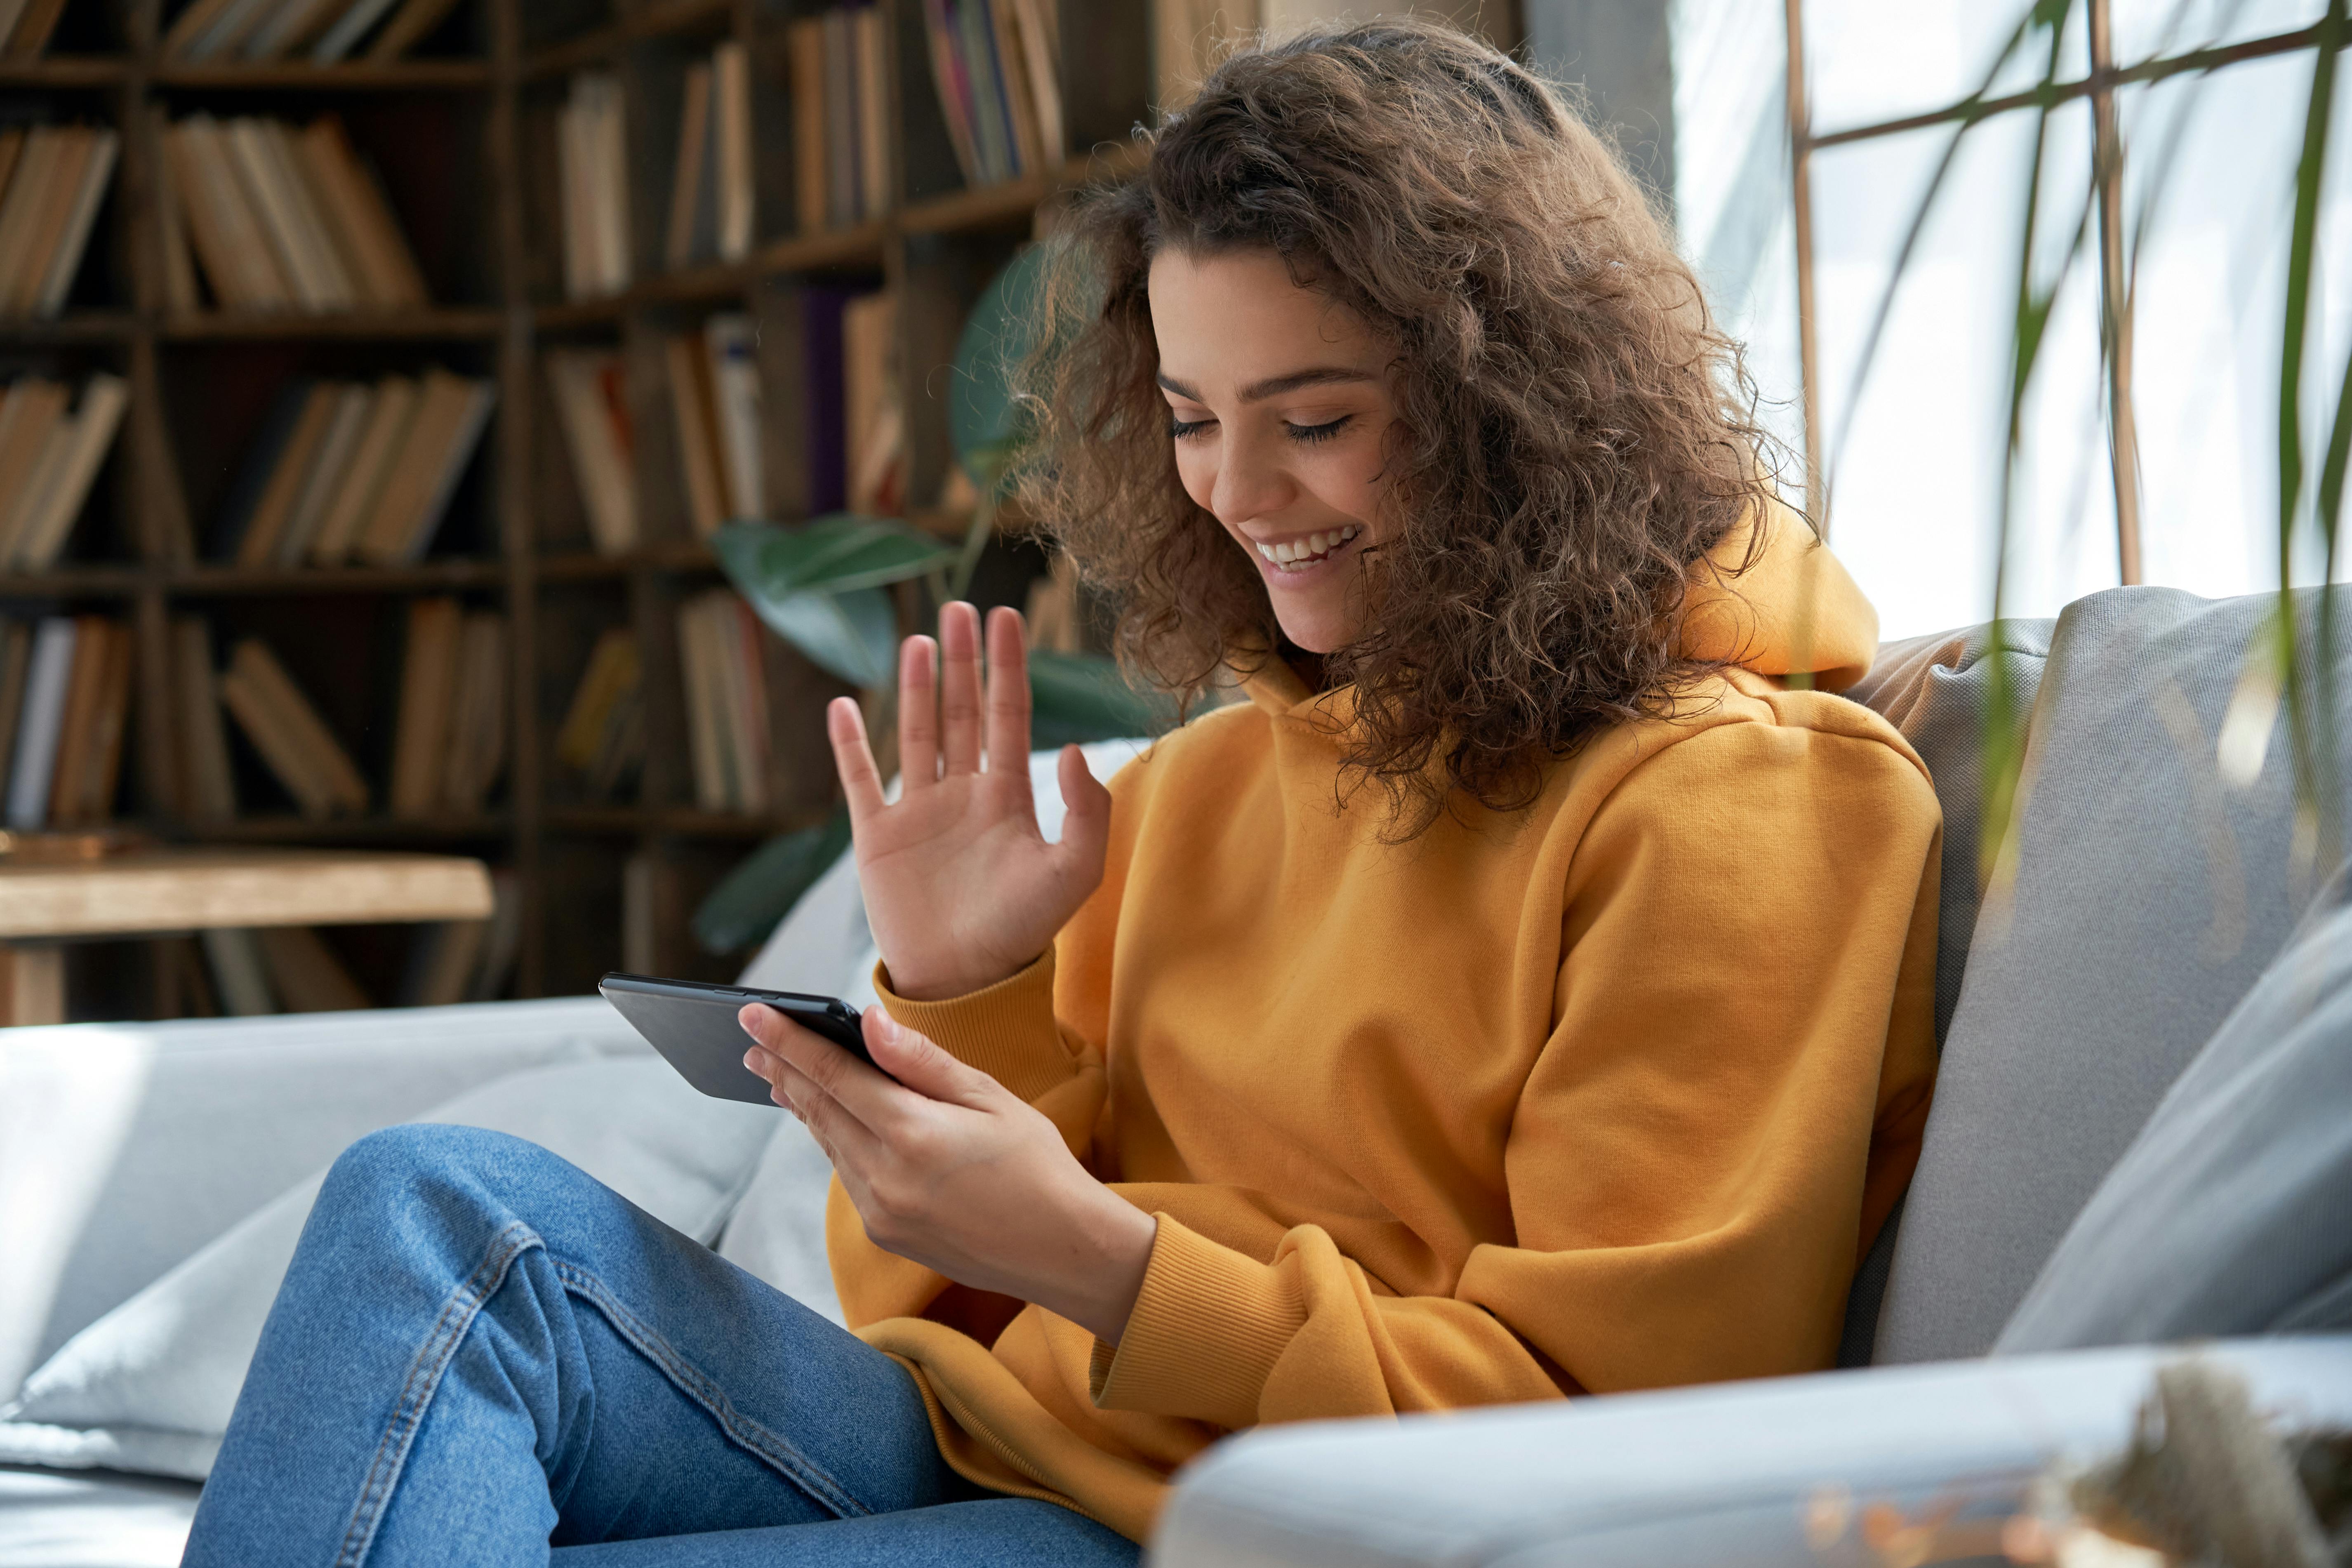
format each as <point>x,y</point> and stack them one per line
<point>433,1357</point>
<point>777,1451</point>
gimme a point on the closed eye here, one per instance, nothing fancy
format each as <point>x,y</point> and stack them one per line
<point>1309,433</point>
<point>1182,430</point>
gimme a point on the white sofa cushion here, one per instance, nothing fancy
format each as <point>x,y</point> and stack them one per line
<point>149,1386</point>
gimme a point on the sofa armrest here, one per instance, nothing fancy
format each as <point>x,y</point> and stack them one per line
<point>1724,1475</point>
<point>125,1147</point>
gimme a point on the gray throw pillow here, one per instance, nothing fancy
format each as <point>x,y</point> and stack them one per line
<point>2150,892</point>
<point>2232,1212</point>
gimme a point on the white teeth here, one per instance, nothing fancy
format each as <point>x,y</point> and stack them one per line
<point>1311,548</point>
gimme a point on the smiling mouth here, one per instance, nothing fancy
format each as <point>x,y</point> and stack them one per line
<point>1299,554</point>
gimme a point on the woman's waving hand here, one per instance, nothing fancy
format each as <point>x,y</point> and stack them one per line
<point>961,887</point>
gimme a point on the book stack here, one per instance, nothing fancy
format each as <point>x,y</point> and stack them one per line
<point>50,449</point>
<point>603,741</point>
<point>324,31</point>
<point>352,471</point>
<point>450,744</point>
<point>995,64</point>
<point>592,167</point>
<point>855,433</point>
<point>592,405</point>
<point>711,188</point>
<point>52,181</point>
<point>841,117</point>
<point>25,27</point>
<point>726,702</point>
<point>64,691</point>
<point>293,740</point>
<point>280,220</point>
<point>714,380</point>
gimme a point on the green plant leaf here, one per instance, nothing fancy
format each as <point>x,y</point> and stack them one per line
<point>834,553</point>
<point>853,633</point>
<point>984,422</point>
<point>753,898</point>
<point>1081,697</point>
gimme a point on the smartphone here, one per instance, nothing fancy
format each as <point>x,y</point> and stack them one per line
<point>693,1026</point>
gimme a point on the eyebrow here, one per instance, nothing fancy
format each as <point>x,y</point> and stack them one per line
<point>1275,386</point>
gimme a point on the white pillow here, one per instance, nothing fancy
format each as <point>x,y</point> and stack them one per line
<point>149,1386</point>
<point>824,947</point>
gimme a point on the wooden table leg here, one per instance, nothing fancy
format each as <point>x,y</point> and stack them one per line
<point>32,982</point>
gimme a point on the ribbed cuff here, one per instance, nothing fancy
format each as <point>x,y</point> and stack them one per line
<point>1207,1329</point>
<point>1006,1030</point>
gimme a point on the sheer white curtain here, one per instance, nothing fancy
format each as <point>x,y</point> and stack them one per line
<point>1914,447</point>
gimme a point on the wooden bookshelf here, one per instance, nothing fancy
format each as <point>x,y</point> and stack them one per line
<point>456,131</point>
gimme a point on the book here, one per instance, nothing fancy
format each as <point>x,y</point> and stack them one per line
<point>292,24</point>
<point>363,225</point>
<point>339,40</point>
<point>693,190</point>
<point>30,416</point>
<point>872,63</point>
<point>1041,59</point>
<point>409,27</point>
<point>329,469</point>
<point>804,52</point>
<point>89,737</point>
<point>732,342</point>
<point>24,201</point>
<point>730,69</point>
<point>451,413</point>
<point>234,519</point>
<point>477,716</point>
<point>180,291</point>
<point>692,400</point>
<point>288,732</point>
<point>428,691</point>
<point>228,236</point>
<point>235,959</point>
<point>841,117</point>
<point>207,787</point>
<point>877,429</point>
<point>442,959</point>
<point>32,767</point>
<point>77,447</point>
<point>592,155</point>
<point>392,406</point>
<point>15,661</point>
<point>304,973</point>
<point>612,673</point>
<point>31,34</point>
<point>727,705</point>
<point>591,407</point>
<point>291,466</point>
<point>825,424</point>
<point>64,259</point>
<point>996,72</point>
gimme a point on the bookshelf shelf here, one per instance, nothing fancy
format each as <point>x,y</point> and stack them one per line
<point>347,829</point>
<point>300,76</point>
<point>66,71</point>
<point>430,576</point>
<point>444,325</point>
<point>462,145</point>
<point>654,21</point>
<point>81,327</point>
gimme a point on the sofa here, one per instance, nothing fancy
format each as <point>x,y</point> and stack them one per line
<point>2147,1038</point>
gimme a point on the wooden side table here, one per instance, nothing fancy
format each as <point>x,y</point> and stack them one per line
<point>150,892</point>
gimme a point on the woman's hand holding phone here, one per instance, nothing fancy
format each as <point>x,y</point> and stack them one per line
<point>961,887</point>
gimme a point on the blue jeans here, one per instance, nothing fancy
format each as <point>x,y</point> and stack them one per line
<point>483,1356</point>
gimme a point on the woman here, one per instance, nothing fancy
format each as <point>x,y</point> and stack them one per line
<point>1526,992</point>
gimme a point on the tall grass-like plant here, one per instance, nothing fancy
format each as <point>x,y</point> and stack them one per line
<point>2279,675</point>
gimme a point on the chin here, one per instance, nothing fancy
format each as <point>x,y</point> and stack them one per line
<point>1316,634</point>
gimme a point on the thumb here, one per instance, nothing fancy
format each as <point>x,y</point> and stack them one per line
<point>917,1061</point>
<point>1086,827</point>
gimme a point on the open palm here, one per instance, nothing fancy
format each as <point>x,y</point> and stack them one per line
<point>961,887</point>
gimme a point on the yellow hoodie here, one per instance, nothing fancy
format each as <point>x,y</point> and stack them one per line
<point>1608,1093</point>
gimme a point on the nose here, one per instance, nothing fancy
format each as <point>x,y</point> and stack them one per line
<point>1252,481</point>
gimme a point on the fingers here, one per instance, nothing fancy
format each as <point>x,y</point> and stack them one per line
<point>912,1058</point>
<point>1085,825</point>
<point>846,1141</point>
<point>1008,693</point>
<point>852,759</point>
<point>918,730</point>
<point>960,686</point>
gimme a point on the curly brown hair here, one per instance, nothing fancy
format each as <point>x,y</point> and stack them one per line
<point>1573,436</point>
